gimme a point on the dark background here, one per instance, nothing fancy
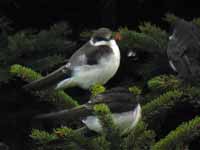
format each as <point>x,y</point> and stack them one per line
<point>94,13</point>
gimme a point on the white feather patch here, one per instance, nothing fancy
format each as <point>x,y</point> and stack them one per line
<point>172,36</point>
<point>172,65</point>
<point>131,53</point>
<point>124,121</point>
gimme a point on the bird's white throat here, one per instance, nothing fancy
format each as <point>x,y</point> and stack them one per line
<point>111,43</point>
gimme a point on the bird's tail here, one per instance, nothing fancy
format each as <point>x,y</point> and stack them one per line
<point>49,81</point>
<point>39,84</point>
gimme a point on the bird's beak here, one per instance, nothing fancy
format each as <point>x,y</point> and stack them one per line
<point>118,36</point>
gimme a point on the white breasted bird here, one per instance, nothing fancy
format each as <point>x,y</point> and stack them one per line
<point>97,61</point>
<point>125,121</point>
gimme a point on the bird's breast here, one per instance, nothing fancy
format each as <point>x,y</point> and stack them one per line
<point>88,75</point>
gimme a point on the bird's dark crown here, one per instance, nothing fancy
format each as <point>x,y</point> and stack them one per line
<point>102,34</point>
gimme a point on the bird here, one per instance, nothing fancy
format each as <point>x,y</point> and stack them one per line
<point>124,121</point>
<point>118,99</point>
<point>96,62</point>
<point>3,146</point>
<point>183,49</point>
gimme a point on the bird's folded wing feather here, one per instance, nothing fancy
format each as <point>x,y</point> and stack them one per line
<point>89,55</point>
<point>49,80</point>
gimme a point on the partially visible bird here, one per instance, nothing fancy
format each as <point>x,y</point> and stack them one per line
<point>3,146</point>
<point>95,62</point>
<point>118,99</point>
<point>125,121</point>
<point>184,49</point>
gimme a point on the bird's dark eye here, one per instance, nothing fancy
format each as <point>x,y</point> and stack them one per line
<point>98,39</point>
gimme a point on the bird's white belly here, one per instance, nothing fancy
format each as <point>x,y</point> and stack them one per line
<point>87,75</point>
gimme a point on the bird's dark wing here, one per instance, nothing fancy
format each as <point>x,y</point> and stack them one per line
<point>183,47</point>
<point>49,80</point>
<point>118,99</point>
<point>89,55</point>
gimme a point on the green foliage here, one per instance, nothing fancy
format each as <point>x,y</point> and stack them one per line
<point>171,18</point>
<point>43,50</point>
<point>164,82</point>
<point>29,42</point>
<point>63,132</point>
<point>192,92</point>
<point>165,101</point>
<point>26,74</point>
<point>101,109</point>
<point>151,38</point>
<point>133,39</point>
<point>191,95</point>
<point>48,62</point>
<point>71,139</point>
<point>100,143</point>
<point>196,21</point>
<point>97,89</point>
<point>66,137</point>
<point>182,135</point>
<point>159,35</point>
<point>38,50</point>
<point>135,90</point>
<point>140,138</point>
<point>59,97</point>
<point>104,114</point>
<point>110,130</point>
<point>42,137</point>
<point>86,34</point>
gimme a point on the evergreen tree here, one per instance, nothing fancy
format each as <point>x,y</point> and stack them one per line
<point>170,106</point>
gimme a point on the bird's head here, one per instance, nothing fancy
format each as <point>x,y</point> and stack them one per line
<point>102,35</point>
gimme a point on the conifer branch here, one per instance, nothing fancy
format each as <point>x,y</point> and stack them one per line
<point>182,135</point>
<point>165,101</point>
<point>29,75</point>
<point>136,40</point>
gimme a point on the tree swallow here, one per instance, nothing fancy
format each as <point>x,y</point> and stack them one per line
<point>95,62</point>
